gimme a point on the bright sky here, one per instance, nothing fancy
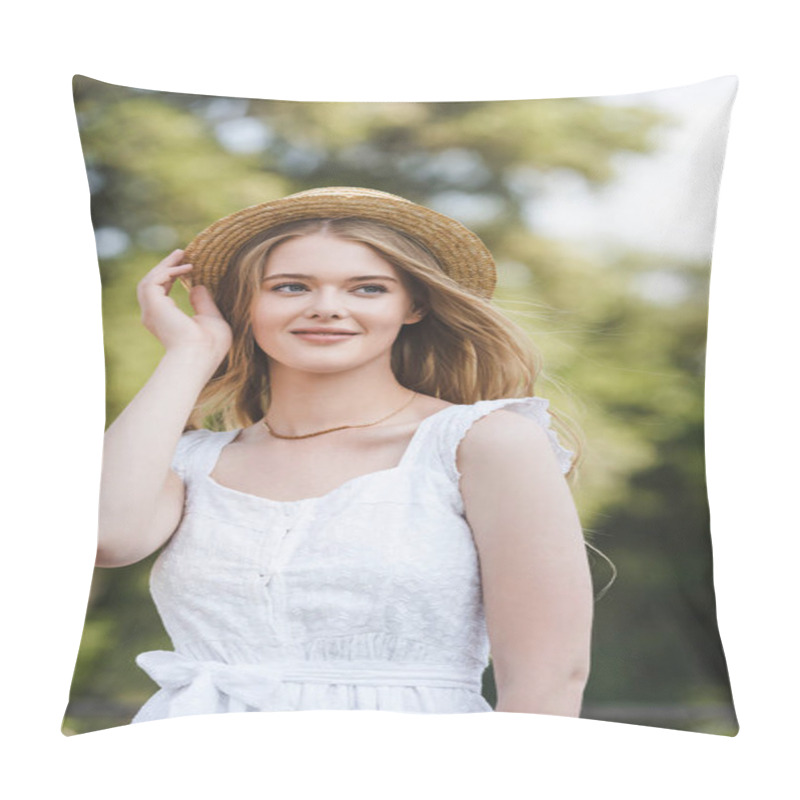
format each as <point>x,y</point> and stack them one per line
<point>663,202</point>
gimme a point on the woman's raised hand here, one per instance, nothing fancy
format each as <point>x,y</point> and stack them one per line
<point>141,499</point>
<point>206,332</point>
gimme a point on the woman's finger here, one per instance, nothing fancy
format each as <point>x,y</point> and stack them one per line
<point>172,274</point>
<point>202,301</point>
<point>173,259</point>
<point>162,273</point>
<point>159,281</point>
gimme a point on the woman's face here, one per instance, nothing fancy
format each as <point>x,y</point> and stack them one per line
<point>329,304</point>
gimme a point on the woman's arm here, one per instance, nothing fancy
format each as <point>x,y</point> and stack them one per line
<point>141,499</point>
<point>536,584</point>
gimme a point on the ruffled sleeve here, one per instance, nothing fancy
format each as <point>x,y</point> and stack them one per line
<point>534,408</point>
<point>186,451</point>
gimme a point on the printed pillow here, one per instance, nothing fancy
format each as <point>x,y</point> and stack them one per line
<point>600,215</point>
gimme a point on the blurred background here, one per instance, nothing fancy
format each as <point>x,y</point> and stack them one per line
<point>600,215</point>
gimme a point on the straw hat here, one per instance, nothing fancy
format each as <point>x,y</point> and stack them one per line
<point>462,255</point>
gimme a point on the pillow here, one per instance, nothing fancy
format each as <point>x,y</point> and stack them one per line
<point>600,215</point>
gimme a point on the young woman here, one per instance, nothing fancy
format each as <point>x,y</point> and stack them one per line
<point>382,501</point>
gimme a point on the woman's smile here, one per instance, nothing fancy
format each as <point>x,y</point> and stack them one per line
<point>323,335</point>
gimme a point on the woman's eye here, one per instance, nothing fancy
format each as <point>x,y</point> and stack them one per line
<point>372,288</point>
<point>289,288</point>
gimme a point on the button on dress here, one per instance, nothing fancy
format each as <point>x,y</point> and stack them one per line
<point>367,597</point>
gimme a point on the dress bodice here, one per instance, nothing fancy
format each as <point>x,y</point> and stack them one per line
<point>366,597</point>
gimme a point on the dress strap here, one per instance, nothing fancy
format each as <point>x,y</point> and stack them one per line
<point>454,426</point>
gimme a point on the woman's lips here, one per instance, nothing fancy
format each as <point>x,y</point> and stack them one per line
<point>323,337</point>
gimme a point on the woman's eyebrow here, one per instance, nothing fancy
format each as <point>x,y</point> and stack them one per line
<point>301,276</point>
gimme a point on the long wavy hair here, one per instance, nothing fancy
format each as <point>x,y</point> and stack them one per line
<point>463,350</point>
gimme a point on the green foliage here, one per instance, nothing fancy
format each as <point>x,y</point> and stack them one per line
<point>626,363</point>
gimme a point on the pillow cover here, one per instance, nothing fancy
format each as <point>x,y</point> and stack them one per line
<point>600,215</point>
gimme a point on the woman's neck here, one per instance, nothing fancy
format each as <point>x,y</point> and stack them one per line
<point>302,402</point>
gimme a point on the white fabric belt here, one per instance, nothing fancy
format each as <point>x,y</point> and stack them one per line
<point>198,683</point>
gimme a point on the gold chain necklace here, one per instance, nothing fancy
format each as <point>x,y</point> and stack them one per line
<point>340,427</point>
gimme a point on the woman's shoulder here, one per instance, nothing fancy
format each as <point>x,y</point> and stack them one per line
<point>505,430</point>
<point>502,435</point>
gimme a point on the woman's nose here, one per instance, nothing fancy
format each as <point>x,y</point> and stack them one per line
<point>326,304</point>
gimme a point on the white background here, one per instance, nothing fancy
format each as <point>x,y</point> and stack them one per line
<point>53,387</point>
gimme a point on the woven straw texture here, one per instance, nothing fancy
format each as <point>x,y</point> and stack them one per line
<point>462,255</point>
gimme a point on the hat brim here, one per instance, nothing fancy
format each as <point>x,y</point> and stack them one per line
<point>461,254</point>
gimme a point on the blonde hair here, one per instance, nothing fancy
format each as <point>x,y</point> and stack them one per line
<point>463,350</point>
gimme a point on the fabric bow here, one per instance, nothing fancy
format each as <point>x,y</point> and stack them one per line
<point>197,685</point>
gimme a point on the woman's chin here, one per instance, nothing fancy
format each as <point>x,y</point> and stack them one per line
<point>325,365</point>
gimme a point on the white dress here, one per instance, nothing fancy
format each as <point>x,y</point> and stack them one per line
<point>367,597</point>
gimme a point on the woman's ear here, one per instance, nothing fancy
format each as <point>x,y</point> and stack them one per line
<point>417,312</point>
